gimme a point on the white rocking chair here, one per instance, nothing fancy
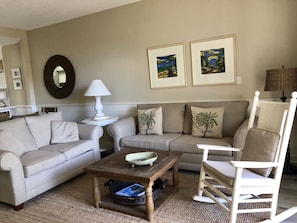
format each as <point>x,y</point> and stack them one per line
<point>260,170</point>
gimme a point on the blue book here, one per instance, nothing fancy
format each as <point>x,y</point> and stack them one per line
<point>134,190</point>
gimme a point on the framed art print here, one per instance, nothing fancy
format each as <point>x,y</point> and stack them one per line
<point>214,61</point>
<point>17,84</point>
<point>167,66</point>
<point>16,73</point>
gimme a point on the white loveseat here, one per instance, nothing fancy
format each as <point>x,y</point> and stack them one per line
<point>38,153</point>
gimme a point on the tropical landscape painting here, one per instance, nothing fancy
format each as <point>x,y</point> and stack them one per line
<point>166,66</point>
<point>212,61</point>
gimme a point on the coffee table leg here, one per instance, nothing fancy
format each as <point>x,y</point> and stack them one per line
<point>149,201</point>
<point>175,175</point>
<point>96,191</point>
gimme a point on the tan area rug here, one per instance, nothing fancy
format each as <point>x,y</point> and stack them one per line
<point>73,202</point>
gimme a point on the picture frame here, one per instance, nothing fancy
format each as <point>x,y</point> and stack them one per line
<point>167,66</point>
<point>214,61</point>
<point>16,73</point>
<point>17,84</point>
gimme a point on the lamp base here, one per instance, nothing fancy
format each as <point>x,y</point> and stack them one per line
<point>283,98</point>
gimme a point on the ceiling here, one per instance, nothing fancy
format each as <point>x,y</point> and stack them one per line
<point>33,14</point>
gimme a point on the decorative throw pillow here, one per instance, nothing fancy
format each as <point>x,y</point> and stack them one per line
<point>40,127</point>
<point>18,129</point>
<point>150,121</point>
<point>207,122</point>
<point>10,143</point>
<point>260,145</point>
<point>63,132</point>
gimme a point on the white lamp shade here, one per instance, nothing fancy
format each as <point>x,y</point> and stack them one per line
<point>97,88</point>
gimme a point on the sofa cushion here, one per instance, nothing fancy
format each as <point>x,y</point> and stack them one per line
<point>150,121</point>
<point>10,143</point>
<point>173,116</point>
<point>234,115</point>
<point>18,128</point>
<point>188,144</point>
<point>63,132</point>
<point>160,142</point>
<point>207,122</point>
<point>40,127</point>
<point>37,161</point>
<point>71,149</point>
<point>260,145</point>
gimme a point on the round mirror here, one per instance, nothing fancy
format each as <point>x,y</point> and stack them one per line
<point>59,76</point>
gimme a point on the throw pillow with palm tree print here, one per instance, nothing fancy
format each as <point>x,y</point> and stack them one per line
<point>150,121</point>
<point>207,122</point>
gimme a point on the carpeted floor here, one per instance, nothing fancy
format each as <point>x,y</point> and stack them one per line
<point>73,202</point>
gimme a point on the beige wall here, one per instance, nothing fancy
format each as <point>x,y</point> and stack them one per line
<point>112,46</point>
<point>16,54</point>
<point>13,59</point>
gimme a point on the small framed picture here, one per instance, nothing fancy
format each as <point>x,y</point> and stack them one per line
<point>16,73</point>
<point>17,84</point>
<point>167,66</point>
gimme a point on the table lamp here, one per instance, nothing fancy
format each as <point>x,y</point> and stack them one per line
<point>98,89</point>
<point>284,79</point>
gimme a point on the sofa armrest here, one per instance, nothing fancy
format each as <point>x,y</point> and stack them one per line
<point>12,187</point>
<point>121,128</point>
<point>239,138</point>
<point>92,132</point>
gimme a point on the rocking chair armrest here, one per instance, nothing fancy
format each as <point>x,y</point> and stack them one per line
<point>253,164</point>
<point>216,147</point>
<point>207,147</point>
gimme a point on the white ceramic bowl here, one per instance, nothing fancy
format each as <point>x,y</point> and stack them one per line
<point>141,158</point>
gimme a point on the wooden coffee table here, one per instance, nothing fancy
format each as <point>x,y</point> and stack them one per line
<point>115,167</point>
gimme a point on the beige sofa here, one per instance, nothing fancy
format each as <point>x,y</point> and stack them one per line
<point>38,153</point>
<point>177,131</point>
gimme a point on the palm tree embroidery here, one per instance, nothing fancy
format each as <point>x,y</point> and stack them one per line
<point>206,119</point>
<point>147,119</point>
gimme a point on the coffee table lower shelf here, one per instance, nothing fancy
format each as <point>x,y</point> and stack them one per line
<point>139,211</point>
